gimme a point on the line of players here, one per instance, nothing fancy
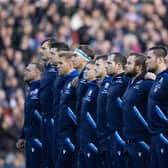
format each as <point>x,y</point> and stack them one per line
<point>86,111</point>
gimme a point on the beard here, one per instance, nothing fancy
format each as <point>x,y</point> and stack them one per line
<point>132,73</point>
<point>151,70</point>
<point>112,73</point>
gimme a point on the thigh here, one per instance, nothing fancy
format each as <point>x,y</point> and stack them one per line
<point>106,159</point>
<point>81,162</point>
<point>66,159</point>
<point>92,160</point>
<point>46,149</point>
<point>34,157</point>
<point>160,145</point>
<point>118,151</point>
<point>138,155</point>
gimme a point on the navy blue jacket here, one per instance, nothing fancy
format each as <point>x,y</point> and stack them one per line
<point>46,95</point>
<point>113,112</point>
<point>89,104</point>
<point>101,107</point>
<point>58,84</point>
<point>80,91</point>
<point>136,94</point>
<point>31,126</point>
<point>159,96</point>
<point>66,126</point>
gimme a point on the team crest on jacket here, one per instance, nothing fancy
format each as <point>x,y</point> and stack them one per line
<point>158,85</point>
<point>139,82</point>
<point>90,93</point>
<point>119,80</point>
<point>137,85</point>
<point>68,88</point>
<point>88,96</point>
<point>69,85</point>
<point>107,85</point>
<point>34,94</point>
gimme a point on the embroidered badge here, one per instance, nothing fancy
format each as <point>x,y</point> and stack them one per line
<point>139,154</point>
<point>90,93</point>
<point>119,153</point>
<point>64,151</point>
<point>162,151</point>
<point>32,149</point>
<point>34,94</point>
<point>88,155</point>
<point>106,85</point>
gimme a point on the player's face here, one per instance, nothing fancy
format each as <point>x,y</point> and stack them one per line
<point>111,65</point>
<point>89,73</point>
<point>63,66</point>
<point>30,73</point>
<point>54,57</point>
<point>151,62</point>
<point>78,61</point>
<point>130,67</point>
<point>100,68</point>
<point>45,51</point>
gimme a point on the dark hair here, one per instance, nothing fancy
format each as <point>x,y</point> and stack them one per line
<point>59,46</point>
<point>87,49</point>
<point>49,40</point>
<point>159,51</point>
<point>91,62</point>
<point>119,58</point>
<point>139,60</point>
<point>103,57</point>
<point>66,54</point>
<point>38,66</point>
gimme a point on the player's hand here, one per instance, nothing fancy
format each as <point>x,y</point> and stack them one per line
<point>75,81</point>
<point>150,75</point>
<point>20,144</point>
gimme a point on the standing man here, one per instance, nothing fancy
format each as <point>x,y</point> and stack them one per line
<point>57,85</point>
<point>82,55</point>
<point>158,107</point>
<point>115,151</point>
<point>104,84</point>
<point>30,138</point>
<point>88,139</point>
<point>46,101</point>
<point>66,126</point>
<point>134,107</point>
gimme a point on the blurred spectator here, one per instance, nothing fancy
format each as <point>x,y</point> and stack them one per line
<point>107,25</point>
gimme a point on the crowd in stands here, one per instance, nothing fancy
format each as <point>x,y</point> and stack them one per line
<point>106,25</point>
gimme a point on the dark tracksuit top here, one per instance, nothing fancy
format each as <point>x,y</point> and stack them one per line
<point>57,87</point>
<point>89,104</point>
<point>136,94</point>
<point>80,92</point>
<point>58,84</point>
<point>46,101</point>
<point>46,93</point>
<point>118,86</point>
<point>66,126</point>
<point>101,108</point>
<point>31,126</point>
<point>158,95</point>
